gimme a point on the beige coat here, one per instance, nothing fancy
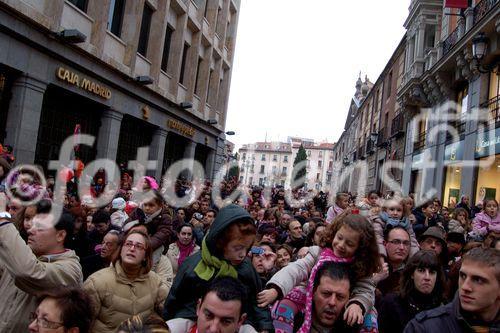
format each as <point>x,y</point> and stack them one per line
<point>164,270</point>
<point>116,298</point>
<point>173,255</point>
<point>25,276</point>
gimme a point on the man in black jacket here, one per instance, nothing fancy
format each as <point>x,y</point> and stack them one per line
<point>477,303</point>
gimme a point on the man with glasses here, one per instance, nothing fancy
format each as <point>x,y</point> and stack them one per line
<point>397,244</point>
<point>29,269</point>
<point>109,251</point>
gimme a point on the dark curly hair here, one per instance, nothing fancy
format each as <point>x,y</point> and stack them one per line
<point>423,259</point>
<point>367,260</point>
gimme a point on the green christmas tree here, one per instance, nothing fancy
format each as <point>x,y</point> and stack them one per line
<point>301,156</point>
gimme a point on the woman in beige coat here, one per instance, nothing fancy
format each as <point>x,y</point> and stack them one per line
<point>183,247</point>
<point>128,287</point>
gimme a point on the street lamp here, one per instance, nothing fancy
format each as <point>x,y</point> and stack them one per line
<point>230,133</point>
<point>479,46</point>
<point>345,160</point>
<point>479,49</point>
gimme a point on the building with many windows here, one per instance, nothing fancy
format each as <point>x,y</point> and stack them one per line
<point>271,163</point>
<point>440,113</point>
<point>132,73</point>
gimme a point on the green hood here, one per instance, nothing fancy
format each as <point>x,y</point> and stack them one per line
<point>225,217</point>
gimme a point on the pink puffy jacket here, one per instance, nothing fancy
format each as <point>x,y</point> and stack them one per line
<point>483,224</point>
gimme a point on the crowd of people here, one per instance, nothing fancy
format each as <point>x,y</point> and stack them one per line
<point>372,264</point>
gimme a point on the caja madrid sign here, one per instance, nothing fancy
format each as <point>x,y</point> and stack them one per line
<point>84,83</point>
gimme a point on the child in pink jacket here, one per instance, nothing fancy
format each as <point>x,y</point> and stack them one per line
<point>488,221</point>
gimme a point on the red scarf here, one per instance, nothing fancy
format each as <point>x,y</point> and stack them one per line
<point>184,251</point>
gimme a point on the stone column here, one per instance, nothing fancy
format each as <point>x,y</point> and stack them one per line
<point>109,134</point>
<point>54,10</point>
<point>469,18</point>
<point>219,154</point>
<point>23,119</point>
<point>157,152</point>
<point>98,10</point>
<point>420,41</point>
<point>439,174</point>
<point>469,173</point>
<point>209,165</point>
<point>189,153</point>
<point>461,27</point>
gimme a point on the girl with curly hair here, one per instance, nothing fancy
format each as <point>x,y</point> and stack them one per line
<point>350,240</point>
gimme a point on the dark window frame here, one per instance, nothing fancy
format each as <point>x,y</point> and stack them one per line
<point>80,4</point>
<point>115,17</point>
<point>182,74</point>
<point>147,16</point>
<point>169,32</point>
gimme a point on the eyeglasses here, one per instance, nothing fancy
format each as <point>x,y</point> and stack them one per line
<point>398,242</point>
<point>138,246</point>
<point>44,323</point>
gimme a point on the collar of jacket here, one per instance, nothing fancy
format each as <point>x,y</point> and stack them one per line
<point>151,217</point>
<point>457,311</point>
<point>123,278</point>
<point>56,256</point>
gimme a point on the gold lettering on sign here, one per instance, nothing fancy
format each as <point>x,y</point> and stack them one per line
<point>181,128</point>
<point>68,76</point>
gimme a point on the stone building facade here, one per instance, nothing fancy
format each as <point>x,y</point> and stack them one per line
<point>440,113</point>
<point>271,163</point>
<point>135,73</point>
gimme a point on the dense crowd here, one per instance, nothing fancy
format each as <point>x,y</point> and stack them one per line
<point>372,264</point>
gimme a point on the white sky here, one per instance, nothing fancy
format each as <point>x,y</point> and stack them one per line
<point>296,64</point>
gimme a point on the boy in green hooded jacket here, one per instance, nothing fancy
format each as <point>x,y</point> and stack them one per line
<point>223,253</point>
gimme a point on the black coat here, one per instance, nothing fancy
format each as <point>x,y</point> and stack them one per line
<point>444,319</point>
<point>92,264</point>
<point>394,312</point>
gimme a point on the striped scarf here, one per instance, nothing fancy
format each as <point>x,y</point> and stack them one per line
<point>325,256</point>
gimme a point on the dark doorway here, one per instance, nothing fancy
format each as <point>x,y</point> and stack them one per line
<point>174,150</point>
<point>134,133</point>
<point>7,77</point>
<point>62,110</point>
<point>201,154</point>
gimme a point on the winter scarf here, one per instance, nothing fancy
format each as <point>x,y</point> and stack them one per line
<point>209,263</point>
<point>326,256</point>
<point>184,251</point>
<point>404,222</point>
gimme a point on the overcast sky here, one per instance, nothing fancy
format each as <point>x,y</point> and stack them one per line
<point>296,64</point>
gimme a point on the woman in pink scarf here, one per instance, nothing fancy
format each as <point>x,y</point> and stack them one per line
<point>183,247</point>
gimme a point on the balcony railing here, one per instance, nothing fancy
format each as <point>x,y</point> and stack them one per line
<point>370,146</point>
<point>482,8</point>
<point>382,137</point>
<point>493,106</point>
<point>361,154</point>
<point>397,128</point>
<point>419,143</point>
<point>451,40</point>
<point>459,124</point>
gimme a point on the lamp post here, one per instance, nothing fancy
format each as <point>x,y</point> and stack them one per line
<point>479,50</point>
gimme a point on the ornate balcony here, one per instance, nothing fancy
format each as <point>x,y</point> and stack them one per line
<point>493,106</point>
